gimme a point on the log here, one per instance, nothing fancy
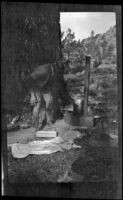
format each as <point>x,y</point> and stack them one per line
<point>12,127</point>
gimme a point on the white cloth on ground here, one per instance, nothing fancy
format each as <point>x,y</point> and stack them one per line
<point>41,147</point>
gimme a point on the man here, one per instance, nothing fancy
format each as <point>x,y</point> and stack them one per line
<point>47,88</point>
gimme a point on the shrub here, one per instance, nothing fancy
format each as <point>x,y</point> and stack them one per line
<point>93,93</point>
<point>114,82</point>
<point>105,84</point>
<point>111,95</point>
<point>92,80</point>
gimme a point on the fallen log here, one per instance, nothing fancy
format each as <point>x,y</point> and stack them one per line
<point>12,127</point>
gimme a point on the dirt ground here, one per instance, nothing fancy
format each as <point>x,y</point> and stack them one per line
<point>94,164</point>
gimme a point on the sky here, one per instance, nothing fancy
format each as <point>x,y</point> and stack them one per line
<point>82,23</point>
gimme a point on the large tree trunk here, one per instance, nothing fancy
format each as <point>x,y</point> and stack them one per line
<point>30,38</point>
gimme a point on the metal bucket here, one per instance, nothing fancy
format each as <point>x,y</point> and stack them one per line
<point>78,106</point>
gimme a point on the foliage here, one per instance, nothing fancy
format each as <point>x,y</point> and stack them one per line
<point>68,42</point>
<point>72,50</point>
<point>92,33</point>
<point>101,47</point>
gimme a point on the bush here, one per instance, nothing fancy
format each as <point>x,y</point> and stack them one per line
<point>114,82</point>
<point>92,80</point>
<point>77,68</point>
<point>111,95</point>
<point>105,85</point>
<point>93,93</point>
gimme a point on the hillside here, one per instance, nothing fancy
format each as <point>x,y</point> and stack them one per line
<point>102,46</point>
<point>103,78</point>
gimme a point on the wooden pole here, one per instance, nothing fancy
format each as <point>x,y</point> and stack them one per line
<point>86,87</point>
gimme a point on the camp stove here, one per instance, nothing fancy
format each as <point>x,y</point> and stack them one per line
<point>80,116</point>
